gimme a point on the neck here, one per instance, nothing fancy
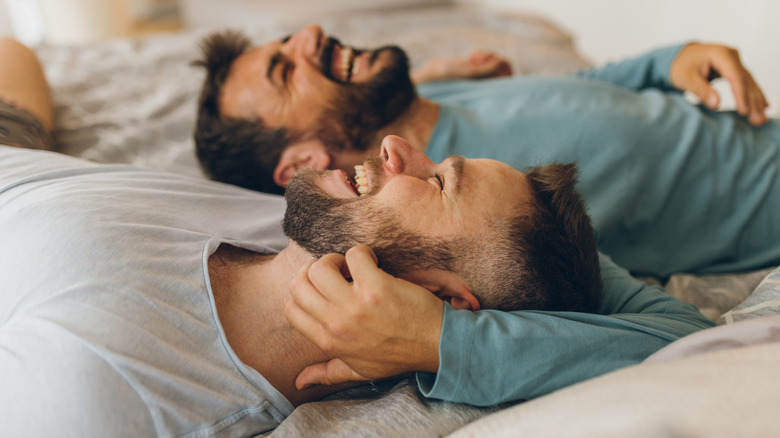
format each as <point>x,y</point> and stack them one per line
<point>250,292</point>
<point>415,125</point>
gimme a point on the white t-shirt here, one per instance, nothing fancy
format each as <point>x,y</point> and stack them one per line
<point>107,321</point>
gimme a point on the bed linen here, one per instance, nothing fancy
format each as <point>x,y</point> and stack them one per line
<point>133,101</point>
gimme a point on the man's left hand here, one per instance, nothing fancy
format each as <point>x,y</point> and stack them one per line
<point>375,326</point>
<point>697,64</point>
<point>478,65</point>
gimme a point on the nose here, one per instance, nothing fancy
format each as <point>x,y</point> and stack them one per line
<point>402,158</point>
<point>306,42</point>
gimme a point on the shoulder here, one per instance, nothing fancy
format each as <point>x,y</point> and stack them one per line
<point>60,386</point>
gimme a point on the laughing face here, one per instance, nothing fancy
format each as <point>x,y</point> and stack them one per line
<point>319,89</point>
<point>411,211</point>
<point>516,240</point>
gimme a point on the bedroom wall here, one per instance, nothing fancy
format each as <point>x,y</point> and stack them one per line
<point>5,21</point>
<point>612,29</point>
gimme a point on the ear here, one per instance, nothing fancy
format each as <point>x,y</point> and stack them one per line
<point>303,154</point>
<point>447,286</point>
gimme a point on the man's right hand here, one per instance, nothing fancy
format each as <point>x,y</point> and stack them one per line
<point>375,326</point>
<point>697,64</point>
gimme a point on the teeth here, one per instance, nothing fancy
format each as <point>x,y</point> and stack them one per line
<point>361,179</point>
<point>346,59</point>
<point>355,68</point>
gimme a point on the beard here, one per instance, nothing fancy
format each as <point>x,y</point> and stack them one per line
<point>356,115</point>
<point>322,224</point>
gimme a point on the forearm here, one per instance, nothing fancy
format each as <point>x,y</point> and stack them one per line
<point>492,357</point>
<point>650,70</point>
<point>22,81</point>
<point>478,65</point>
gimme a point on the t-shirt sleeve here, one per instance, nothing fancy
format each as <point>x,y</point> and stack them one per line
<point>489,357</point>
<point>650,70</point>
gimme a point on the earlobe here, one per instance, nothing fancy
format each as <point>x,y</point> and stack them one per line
<point>465,303</point>
<point>301,155</point>
<point>447,286</point>
<point>283,172</point>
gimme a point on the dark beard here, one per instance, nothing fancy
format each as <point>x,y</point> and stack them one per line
<point>362,109</point>
<point>321,224</point>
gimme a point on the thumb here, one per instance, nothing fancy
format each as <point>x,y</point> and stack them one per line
<point>333,372</point>
<point>704,91</point>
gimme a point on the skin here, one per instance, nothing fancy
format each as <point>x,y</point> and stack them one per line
<point>22,81</point>
<point>406,312</point>
<point>376,325</point>
<point>697,64</point>
<point>694,67</point>
<point>252,297</point>
<point>296,92</point>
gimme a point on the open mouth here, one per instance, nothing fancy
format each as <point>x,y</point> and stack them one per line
<point>343,63</point>
<point>361,180</point>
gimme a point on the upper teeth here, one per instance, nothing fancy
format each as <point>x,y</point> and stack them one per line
<point>361,180</point>
<point>346,60</point>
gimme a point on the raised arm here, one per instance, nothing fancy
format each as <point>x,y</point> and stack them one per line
<point>650,70</point>
<point>378,326</point>
<point>689,67</point>
<point>478,65</point>
<point>491,357</point>
<point>22,81</point>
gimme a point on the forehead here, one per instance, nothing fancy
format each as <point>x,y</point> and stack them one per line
<point>486,193</point>
<point>489,187</point>
<point>246,82</point>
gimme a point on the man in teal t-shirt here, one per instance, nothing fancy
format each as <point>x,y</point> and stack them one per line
<point>671,186</point>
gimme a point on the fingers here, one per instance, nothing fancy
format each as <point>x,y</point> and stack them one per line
<point>698,63</point>
<point>329,275</point>
<point>488,64</point>
<point>308,307</point>
<point>320,291</point>
<point>333,372</point>
<point>749,98</point>
<point>702,89</point>
<point>363,264</point>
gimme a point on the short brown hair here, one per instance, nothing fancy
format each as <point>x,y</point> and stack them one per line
<point>545,258</point>
<point>229,148</point>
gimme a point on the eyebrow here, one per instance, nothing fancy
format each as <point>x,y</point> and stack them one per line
<point>457,162</point>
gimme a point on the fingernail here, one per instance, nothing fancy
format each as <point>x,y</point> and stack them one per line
<point>712,100</point>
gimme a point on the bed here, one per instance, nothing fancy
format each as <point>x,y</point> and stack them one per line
<point>133,101</point>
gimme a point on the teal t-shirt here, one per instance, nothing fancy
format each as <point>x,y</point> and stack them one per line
<point>488,357</point>
<point>670,186</point>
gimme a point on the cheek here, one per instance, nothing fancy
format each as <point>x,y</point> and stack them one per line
<point>417,209</point>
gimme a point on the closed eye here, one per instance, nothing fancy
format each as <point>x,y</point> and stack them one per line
<point>440,181</point>
<point>286,71</point>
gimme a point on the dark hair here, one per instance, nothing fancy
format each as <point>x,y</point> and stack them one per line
<point>228,147</point>
<point>545,257</point>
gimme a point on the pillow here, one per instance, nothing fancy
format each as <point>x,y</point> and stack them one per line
<point>764,301</point>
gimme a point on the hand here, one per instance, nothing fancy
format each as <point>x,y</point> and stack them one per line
<point>478,65</point>
<point>376,326</point>
<point>697,64</point>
